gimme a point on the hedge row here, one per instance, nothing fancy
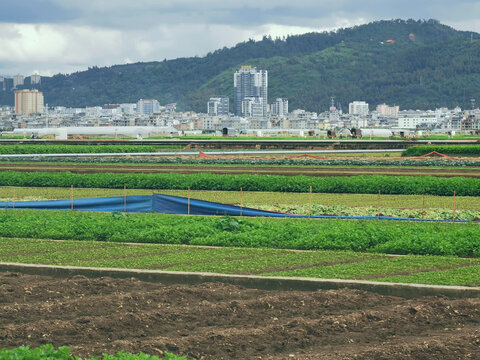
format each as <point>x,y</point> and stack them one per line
<point>292,162</point>
<point>380,236</point>
<point>81,149</point>
<point>443,149</point>
<point>362,184</point>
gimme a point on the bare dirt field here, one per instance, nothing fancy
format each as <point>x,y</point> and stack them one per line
<point>218,321</point>
<point>263,170</point>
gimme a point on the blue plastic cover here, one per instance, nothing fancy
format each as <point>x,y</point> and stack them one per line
<point>135,203</point>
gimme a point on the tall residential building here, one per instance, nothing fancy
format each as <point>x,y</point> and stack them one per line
<point>249,82</point>
<point>28,102</point>
<point>18,80</point>
<point>148,106</point>
<point>35,79</point>
<point>385,110</point>
<point>218,106</point>
<point>253,107</point>
<point>279,107</point>
<point>358,108</point>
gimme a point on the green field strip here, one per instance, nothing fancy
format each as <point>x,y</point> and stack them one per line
<point>377,268</point>
<point>274,260</point>
<point>463,276</point>
<point>163,261</point>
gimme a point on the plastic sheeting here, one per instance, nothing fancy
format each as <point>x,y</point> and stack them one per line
<point>176,205</point>
<point>136,203</point>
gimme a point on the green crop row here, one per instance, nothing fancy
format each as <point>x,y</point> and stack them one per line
<point>460,239</point>
<point>81,149</point>
<point>253,162</point>
<point>443,149</point>
<point>362,184</point>
<point>253,261</point>
<point>48,352</point>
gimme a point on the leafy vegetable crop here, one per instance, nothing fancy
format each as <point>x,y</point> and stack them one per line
<point>362,184</point>
<point>443,149</point>
<point>459,239</point>
<point>80,149</point>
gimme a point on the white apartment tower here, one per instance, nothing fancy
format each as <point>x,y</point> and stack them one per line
<point>249,82</point>
<point>148,106</point>
<point>358,108</point>
<point>279,107</point>
<point>218,105</point>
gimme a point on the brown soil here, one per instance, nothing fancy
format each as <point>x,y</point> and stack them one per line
<point>289,171</point>
<point>219,321</point>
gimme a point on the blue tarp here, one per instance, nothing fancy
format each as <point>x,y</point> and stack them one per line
<point>174,205</point>
<point>136,203</point>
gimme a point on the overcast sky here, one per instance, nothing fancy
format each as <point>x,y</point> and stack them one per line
<point>52,36</point>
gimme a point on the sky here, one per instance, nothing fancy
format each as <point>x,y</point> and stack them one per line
<point>47,37</point>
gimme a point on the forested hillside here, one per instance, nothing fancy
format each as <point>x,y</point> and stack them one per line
<point>414,64</point>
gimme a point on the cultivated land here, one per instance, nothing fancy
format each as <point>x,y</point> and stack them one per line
<point>260,170</point>
<point>219,321</point>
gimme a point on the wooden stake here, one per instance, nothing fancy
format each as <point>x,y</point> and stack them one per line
<point>454,206</point>
<point>14,196</point>
<point>241,201</point>
<point>125,198</point>
<point>378,204</point>
<point>423,205</point>
<point>71,194</point>
<point>188,209</point>
<point>310,203</point>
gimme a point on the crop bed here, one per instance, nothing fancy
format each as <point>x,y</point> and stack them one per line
<point>259,170</point>
<point>435,270</point>
<point>218,321</point>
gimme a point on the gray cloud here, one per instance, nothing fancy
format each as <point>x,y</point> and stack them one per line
<point>52,36</point>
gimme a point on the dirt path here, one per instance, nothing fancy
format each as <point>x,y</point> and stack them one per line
<point>266,170</point>
<point>218,321</point>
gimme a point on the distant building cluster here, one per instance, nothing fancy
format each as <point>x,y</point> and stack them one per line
<point>251,113</point>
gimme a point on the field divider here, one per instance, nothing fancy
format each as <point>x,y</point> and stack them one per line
<point>403,290</point>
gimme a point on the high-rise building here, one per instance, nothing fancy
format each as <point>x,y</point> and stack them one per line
<point>249,82</point>
<point>358,108</point>
<point>253,107</point>
<point>279,107</point>
<point>28,102</point>
<point>18,80</point>
<point>218,106</point>
<point>35,79</point>
<point>148,106</point>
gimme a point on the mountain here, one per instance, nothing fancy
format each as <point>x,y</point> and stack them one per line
<point>414,64</point>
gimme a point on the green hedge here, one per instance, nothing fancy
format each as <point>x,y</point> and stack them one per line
<point>81,149</point>
<point>362,184</point>
<point>48,352</point>
<point>381,236</point>
<point>443,149</point>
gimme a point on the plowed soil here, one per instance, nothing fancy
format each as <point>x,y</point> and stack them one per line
<point>218,321</point>
<point>263,170</point>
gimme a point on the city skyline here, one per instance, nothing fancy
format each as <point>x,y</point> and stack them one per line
<point>49,37</point>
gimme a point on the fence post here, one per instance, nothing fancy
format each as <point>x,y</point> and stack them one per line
<point>71,194</point>
<point>310,203</point>
<point>454,206</point>
<point>241,201</point>
<point>378,205</point>
<point>125,198</point>
<point>14,196</point>
<point>188,202</point>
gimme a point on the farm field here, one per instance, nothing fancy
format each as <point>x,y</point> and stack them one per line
<point>259,170</point>
<point>430,207</point>
<point>219,321</point>
<point>376,236</point>
<point>434,270</point>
